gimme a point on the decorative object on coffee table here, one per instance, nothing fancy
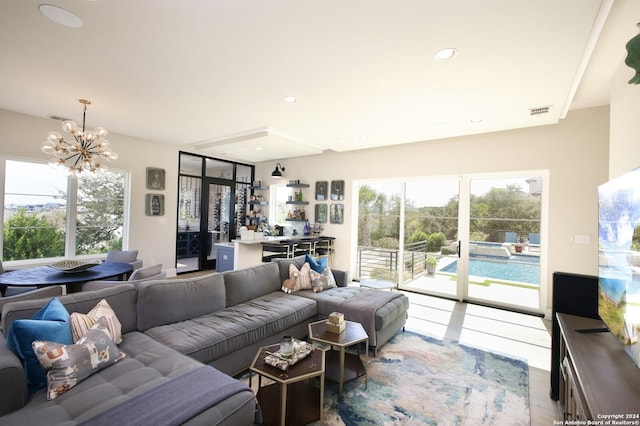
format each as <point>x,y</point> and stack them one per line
<point>336,323</point>
<point>291,388</point>
<point>342,366</point>
<point>297,351</point>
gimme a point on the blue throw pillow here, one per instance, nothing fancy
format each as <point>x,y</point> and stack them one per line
<point>49,323</point>
<point>317,265</point>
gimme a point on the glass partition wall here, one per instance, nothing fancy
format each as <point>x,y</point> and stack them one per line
<point>212,197</point>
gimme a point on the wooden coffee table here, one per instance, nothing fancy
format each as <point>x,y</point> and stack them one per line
<point>342,366</point>
<point>291,388</point>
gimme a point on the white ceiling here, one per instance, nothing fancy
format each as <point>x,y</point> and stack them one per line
<point>214,74</point>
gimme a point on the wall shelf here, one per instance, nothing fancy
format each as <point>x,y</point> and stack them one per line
<point>297,185</point>
<point>304,203</point>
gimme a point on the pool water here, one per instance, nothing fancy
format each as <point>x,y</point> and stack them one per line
<point>524,272</point>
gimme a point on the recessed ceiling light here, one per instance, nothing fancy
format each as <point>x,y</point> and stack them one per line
<point>258,148</point>
<point>60,16</point>
<point>290,99</point>
<point>476,120</point>
<point>445,54</point>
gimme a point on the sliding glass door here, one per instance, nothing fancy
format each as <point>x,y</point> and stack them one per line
<point>504,240</point>
<point>430,234</point>
<point>474,238</point>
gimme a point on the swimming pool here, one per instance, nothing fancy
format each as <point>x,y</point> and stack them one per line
<point>507,270</point>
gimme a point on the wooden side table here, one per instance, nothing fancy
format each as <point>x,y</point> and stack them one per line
<point>349,366</point>
<point>290,388</point>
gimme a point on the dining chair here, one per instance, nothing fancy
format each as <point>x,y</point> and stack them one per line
<point>38,293</point>
<point>125,256</point>
<point>153,272</point>
<point>12,291</point>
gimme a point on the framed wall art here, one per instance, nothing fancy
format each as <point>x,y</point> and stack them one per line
<point>154,205</point>
<point>337,190</point>
<point>321,213</point>
<point>322,188</point>
<point>336,213</point>
<point>155,179</point>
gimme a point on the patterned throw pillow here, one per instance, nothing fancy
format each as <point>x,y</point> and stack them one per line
<point>301,279</point>
<point>331,280</point>
<point>318,282</point>
<point>68,365</point>
<point>289,285</point>
<point>50,323</point>
<point>80,323</point>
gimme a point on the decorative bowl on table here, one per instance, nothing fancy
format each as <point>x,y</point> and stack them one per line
<point>72,266</point>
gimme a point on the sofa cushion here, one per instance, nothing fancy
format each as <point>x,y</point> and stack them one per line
<point>169,301</point>
<point>147,365</point>
<point>213,336</point>
<point>283,265</point>
<point>49,323</point>
<point>67,365</point>
<point>329,301</point>
<point>246,284</point>
<point>121,297</point>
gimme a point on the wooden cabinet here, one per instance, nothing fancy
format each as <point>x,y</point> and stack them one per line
<point>597,377</point>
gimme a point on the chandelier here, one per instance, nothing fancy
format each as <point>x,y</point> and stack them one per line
<point>85,152</point>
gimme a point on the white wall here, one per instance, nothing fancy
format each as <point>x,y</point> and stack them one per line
<point>575,152</point>
<point>625,124</point>
<point>21,136</point>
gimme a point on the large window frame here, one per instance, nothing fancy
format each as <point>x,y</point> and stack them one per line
<point>71,212</point>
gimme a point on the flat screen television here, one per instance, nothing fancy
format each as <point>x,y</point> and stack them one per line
<point>619,259</point>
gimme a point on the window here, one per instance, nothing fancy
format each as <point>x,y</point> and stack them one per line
<point>279,195</point>
<point>48,214</point>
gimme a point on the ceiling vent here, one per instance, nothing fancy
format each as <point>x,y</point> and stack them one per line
<point>539,110</point>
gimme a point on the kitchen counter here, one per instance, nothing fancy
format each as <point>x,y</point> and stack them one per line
<point>248,253</point>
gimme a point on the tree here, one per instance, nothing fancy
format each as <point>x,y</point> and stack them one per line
<point>28,236</point>
<point>100,213</point>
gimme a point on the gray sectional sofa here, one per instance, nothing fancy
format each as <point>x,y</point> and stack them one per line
<point>173,327</point>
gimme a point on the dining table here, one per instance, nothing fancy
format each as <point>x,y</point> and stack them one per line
<point>44,276</point>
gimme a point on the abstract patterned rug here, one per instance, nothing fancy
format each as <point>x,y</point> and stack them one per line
<point>419,380</point>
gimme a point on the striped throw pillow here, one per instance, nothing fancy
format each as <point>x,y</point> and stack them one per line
<point>81,323</point>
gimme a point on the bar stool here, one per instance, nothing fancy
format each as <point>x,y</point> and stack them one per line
<point>307,246</point>
<point>279,250</point>
<point>325,248</point>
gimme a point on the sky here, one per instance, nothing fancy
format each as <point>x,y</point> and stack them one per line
<point>33,183</point>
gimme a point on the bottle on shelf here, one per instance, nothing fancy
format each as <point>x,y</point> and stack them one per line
<point>300,195</point>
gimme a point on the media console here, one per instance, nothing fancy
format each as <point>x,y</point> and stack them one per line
<point>598,380</point>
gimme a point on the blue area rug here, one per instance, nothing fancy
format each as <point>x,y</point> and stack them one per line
<point>418,380</point>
